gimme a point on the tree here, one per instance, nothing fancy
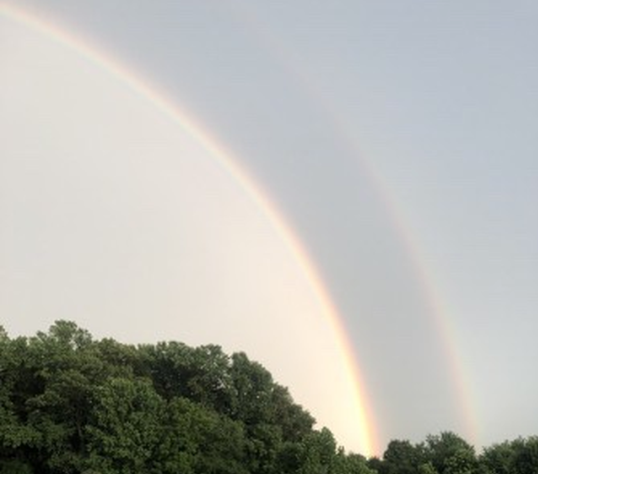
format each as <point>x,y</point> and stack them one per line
<point>516,456</point>
<point>449,453</point>
<point>200,374</point>
<point>265,410</point>
<point>349,463</point>
<point>496,459</point>
<point>401,456</point>
<point>124,430</point>
<point>195,439</point>
<point>428,468</point>
<point>69,404</point>
<point>16,438</point>
<point>314,454</point>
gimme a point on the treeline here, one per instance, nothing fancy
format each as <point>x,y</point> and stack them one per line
<point>71,404</point>
<point>448,453</point>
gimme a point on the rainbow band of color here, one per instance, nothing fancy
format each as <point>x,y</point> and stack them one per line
<point>433,300</point>
<point>221,154</point>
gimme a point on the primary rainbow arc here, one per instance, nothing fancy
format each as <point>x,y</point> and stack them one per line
<point>217,151</point>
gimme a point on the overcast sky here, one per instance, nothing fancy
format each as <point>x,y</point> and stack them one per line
<point>398,139</point>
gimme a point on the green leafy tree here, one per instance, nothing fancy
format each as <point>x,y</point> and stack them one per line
<point>428,468</point>
<point>257,402</point>
<point>125,429</point>
<point>195,439</point>
<point>376,464</point>
<point>516,456</point>
<point>349,463</point>
<point>496,459</point>
<point>319,452</point>
<point>401,456</point>
<point>316,453</point>
<point>16,438</point>
<point>525,458</point>
<point>71,404</point>
<point>60,372</point>
<point>200,374</point>
<point>449,453</point>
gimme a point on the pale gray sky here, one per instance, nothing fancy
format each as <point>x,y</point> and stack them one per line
<point>398,138</point>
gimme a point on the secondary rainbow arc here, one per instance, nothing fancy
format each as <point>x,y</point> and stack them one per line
<point>433,299</point>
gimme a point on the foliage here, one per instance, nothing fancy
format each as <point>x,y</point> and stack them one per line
<point>516,456</point>
<point>72,404</point>
<point>448,453</point>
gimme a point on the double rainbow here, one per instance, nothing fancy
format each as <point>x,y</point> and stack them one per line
<point>219,152</point>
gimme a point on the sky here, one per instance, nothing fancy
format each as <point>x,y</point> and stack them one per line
<point>347,191</point>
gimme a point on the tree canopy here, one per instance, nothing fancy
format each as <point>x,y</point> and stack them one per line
<point>72,404</point>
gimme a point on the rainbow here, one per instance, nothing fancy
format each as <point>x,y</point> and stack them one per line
<point>433,300</point>
<point>220,153</point>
